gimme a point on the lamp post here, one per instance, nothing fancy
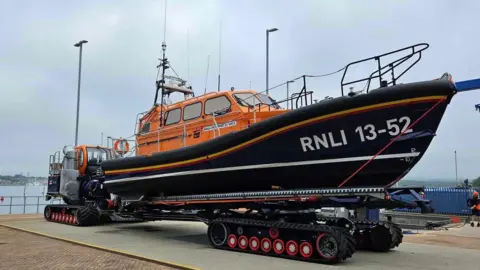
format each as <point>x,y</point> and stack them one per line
<point>288,94</point>
<point>79,44</point>
<point>268,32</point>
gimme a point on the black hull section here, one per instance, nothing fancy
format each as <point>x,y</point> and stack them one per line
<point>314,147</point>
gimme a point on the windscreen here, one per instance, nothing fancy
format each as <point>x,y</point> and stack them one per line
<point>247,99</point>
<point>99,154</point>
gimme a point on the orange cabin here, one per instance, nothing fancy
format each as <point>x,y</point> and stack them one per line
<point>192,120</point>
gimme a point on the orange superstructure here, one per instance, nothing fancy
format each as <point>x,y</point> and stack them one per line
<point>199,119</point>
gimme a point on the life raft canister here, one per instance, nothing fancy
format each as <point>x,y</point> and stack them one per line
<point>121,146</point>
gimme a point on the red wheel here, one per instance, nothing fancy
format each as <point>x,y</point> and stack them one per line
<point>274,233</point>
<point>326,246</point>
<point>306,250</point>
<point>254,243</point>
<point>292,248</point>
<point>63,217</point>
<point>266,245</point>
<point>54,216</point>
<point>278,246</point>
<point>75,220</point>
<point>243,242</point>
<point>70,219</point>
<point>232,240</point>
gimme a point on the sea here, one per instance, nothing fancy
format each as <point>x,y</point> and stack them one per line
<point>26,199</point>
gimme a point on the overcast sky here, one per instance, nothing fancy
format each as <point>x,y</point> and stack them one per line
<point>39,64</point>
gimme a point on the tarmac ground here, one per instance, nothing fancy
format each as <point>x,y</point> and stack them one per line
<point>152,245</point>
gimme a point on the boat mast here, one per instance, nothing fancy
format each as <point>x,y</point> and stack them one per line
<point>164,65</point>
<point>161,83</point>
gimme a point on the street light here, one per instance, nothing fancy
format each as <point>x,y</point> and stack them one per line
<point>269,31</point>
<point>288,101</point>
<point>79,44</point>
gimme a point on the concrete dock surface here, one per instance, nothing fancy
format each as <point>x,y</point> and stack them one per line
<point>186,244</point>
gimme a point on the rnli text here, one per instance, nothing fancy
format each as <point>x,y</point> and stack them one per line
<point>325,140</point>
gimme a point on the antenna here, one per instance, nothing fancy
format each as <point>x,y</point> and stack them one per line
<point>219,53</point>
<point>165,24</point>
<point>206,78</point>
<point>164,65</point>
<point>188,59</point>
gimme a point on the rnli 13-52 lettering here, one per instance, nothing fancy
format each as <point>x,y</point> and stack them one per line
<point>367,132</point>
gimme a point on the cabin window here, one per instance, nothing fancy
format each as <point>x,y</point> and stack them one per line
<point>265,99</point>
<point>145,128</point>
<point>80,159</point>
<point>217,104</point>
<point>192,111</point>
<point>173,116</point>
<point>246,99</point>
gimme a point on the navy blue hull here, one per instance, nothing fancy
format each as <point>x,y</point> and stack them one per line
<point>312,147</point>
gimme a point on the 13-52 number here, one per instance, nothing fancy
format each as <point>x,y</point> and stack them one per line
<point>394,127</point>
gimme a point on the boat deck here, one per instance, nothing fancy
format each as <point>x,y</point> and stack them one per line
<point>186,244</point>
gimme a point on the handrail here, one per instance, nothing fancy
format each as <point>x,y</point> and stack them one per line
<point>391,66</point>
<point>25,204</point>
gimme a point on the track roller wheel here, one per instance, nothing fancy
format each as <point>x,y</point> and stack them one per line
<point>254,243</point>
<point>278,246</point>
<point>397,235</point>
<point>47,213</point>
<point>266,245</point>
<point>87,216</point>
<point>243,242</point>
<point>274,233</point>
<point>334,246</point>
<point>232,241</point>
<point>327,246</point>
<point>306,250</point>
<point>291,248</point>
<point>218,234</point>
<point>380,238</point>
<point>75,220</point>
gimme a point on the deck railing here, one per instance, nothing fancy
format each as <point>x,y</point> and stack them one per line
<point>25,201</point>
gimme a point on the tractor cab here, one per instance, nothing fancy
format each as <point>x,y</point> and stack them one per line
<point>79,165</point>
<point>84,158</point>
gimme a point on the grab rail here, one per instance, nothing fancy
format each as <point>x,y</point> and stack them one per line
<point>391,66</point>
<point>7,201</point>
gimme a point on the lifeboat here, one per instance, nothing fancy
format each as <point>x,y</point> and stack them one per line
<point>244,140</point>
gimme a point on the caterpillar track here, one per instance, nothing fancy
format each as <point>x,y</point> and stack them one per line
<point>83,215</point>
<point>72,215</point>
<point>306,242</point>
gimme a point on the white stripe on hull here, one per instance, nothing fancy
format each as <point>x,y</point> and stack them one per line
<point>265,166</point>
